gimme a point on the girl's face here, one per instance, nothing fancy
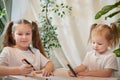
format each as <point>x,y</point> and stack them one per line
<point>100,44</point>
<point>22,35</point>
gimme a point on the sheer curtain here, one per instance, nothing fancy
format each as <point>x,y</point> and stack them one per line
<point>73,30</point>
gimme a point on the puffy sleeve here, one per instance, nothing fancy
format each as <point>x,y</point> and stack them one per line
<point>4,57</point>
<point>43,60</point>
<point>111,62</point>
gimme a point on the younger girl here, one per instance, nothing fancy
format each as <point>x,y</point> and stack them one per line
<point>101,61</point>
<point>22,41</point>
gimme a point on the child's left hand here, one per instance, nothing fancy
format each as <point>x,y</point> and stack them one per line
<point>44,72</point>
<point>70,73</point>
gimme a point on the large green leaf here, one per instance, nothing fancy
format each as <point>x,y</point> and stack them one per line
<point>106,9</point>
<point>112,14</point>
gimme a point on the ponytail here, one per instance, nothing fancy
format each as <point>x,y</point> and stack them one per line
<point>8,39</point>
<point>36,40</point>
<point>116,34</point>
<point>92,27</point>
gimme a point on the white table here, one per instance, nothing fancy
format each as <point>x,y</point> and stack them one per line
<point>59,74</point>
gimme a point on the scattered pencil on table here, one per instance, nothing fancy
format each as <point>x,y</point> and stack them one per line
<point>28,63</point>
<point>71,69</point>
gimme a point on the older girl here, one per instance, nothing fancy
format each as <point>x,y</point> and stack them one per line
<point>22,40</point>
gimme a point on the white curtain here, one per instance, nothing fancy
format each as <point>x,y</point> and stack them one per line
<point>73,30</point>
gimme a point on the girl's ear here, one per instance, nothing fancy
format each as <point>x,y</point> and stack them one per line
<point>110,42</point>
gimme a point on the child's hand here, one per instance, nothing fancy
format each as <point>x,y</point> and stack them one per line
<point>44,72</point>
<point>25,69</point>
<point>70,73</point>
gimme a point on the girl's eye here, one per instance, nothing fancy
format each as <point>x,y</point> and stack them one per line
<point>19,34</point>
<point>93,42</point>
<point>27,33</point>
<point>99,44</point>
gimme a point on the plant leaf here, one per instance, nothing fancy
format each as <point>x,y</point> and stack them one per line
<point>117,52</point>
<point>106,9</point>
<point>112,14</point>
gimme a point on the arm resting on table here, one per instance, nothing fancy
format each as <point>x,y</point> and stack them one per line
<point>97,73</point>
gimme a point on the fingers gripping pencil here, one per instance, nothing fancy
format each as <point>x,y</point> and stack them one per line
<point>71,69</point>
<point>24,60</point>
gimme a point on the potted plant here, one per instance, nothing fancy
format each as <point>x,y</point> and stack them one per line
<point>47,29</point>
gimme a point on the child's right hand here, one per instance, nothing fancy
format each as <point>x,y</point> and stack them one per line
<point>70,73</point>
<point>25,69</point>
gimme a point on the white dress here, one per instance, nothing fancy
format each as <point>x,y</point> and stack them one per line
<point>12,57</point>
<point>96,61</point>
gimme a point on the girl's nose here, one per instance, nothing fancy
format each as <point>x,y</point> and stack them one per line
<point>24,36</point>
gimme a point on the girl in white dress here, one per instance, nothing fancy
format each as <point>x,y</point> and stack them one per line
<point>101,61</point>
<point>22,41</point>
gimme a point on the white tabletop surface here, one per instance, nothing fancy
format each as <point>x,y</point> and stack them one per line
<point>59,74</point>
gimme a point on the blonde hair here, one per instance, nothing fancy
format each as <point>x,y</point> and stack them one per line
<point>110,32</point>
<point>36,40</point>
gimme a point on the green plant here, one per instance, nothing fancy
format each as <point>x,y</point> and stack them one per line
<point>2,19</point>
<point>106,9</point>
<point>47,29</point>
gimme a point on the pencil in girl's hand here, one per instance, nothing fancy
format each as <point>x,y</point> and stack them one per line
<point>71,69</point>
<point>28,63</point>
